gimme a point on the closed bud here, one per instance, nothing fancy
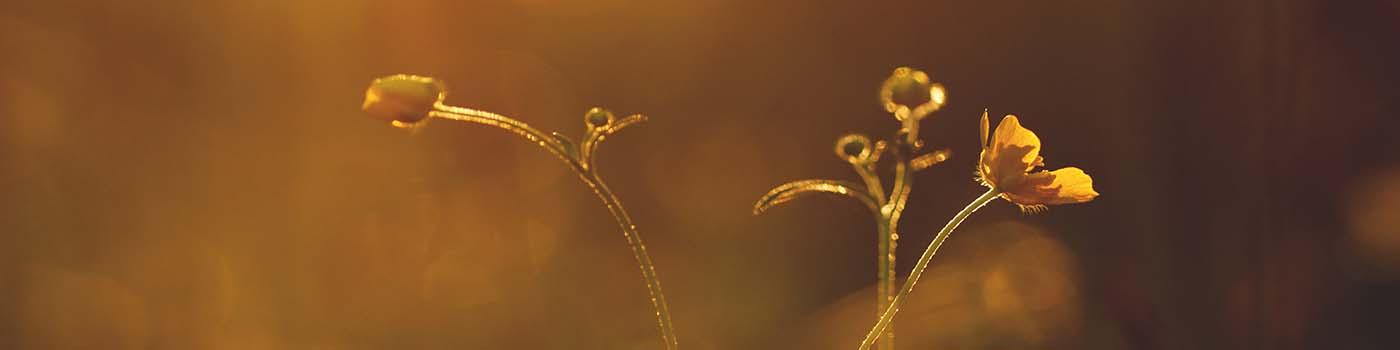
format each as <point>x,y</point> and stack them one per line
<point>908,93</point>
<point>855,148</point>
<point>909,87</point>
<point>403,99</point>
<point>598,117</point>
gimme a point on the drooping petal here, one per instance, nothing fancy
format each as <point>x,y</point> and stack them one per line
<point>1030,189</point>
<point>1062,186</point>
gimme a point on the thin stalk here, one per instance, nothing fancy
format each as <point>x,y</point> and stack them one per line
<point>888,316</point>
<point>886,274</point>
<point>639,251</point>
<point>590,177</point>
<point>899,196</point>
<point>872,182</point>
<point>509,124</point>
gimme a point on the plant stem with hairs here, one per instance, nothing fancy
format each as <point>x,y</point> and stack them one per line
<point>639,251</point>
<point>408,101</point>
<point>887,317</point>
<point>899,195</point>
<point>909,96</point>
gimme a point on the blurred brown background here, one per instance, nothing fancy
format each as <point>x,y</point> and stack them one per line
<point>197,175</point>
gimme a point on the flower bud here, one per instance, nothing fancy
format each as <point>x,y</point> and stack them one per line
<point>908,93</point>
<point>598,117</point>
<point>403,99</point>
<point>854,148</point>
<point>909,88</point>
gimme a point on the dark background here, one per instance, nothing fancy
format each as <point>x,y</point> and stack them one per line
<point>197,175</point>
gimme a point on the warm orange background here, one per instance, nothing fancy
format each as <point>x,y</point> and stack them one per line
<point>197,174</point>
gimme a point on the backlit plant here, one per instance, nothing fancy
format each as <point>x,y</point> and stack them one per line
<point>408,101</point>
<point>1007,166</point>
<point>910,97</point>
<point>1004,166</point>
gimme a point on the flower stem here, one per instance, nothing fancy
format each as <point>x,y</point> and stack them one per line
<point>888,316</point>
<point>889,235</point>
<point>588,174</point>
<point>639,251</point>
<point>884,251</point>
<point>886,275</point>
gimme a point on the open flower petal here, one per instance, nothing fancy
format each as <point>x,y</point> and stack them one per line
<point>1062,186</point>
<point>1014,150</point>
<point>1009,158</point>
<point>1021,142</point>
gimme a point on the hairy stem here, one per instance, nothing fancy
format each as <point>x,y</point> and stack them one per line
<point>888,316</point>
<point>872,182</point>
<point>639,251</point>
<point>590,177</point>
<point>885,288</point>
<point>884,252</point>
<point>899,195</point>
<point>509,124</point>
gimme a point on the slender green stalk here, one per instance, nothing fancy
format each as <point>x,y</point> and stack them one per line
<point>580,162</point>
<point>888,316</point>
<point>889,235</point>
<point>639,251</point>
<point>885,272</point>
<point>886,275</point>
<point>872,181</point>
<point>900,95</point>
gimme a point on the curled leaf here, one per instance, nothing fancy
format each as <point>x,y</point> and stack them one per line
<point>795,189</point>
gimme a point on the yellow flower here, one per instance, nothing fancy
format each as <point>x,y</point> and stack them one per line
<point>403,99</point>
<point>1007,163</point>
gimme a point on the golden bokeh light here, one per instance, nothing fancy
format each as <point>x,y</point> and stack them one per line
<point>1004,284</point>
<point>1374,233</point>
